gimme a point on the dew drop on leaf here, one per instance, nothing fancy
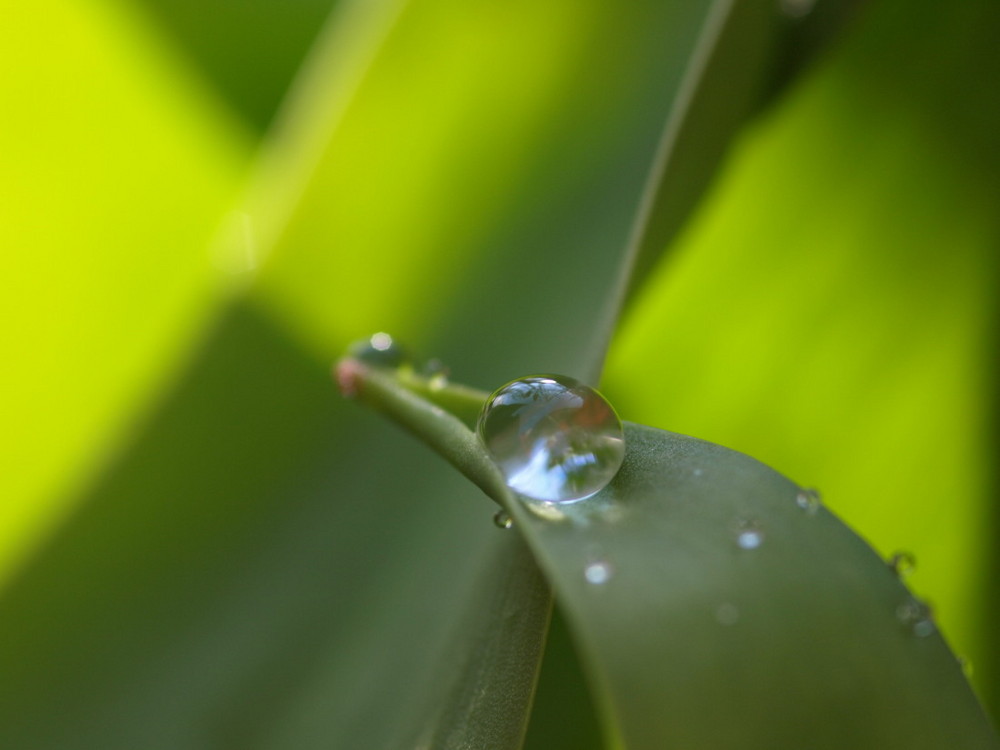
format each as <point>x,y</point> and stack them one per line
<point>597,573</point>
<point>502,520</point>
<point>555,439</point>
<point>966,665</point>
<point>903,563</point>
<point>917,617</point>
<point>809,500</point>
<point>749,535</point>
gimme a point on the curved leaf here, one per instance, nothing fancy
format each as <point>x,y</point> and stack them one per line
<point>716,606</point>
<point>833,304</point>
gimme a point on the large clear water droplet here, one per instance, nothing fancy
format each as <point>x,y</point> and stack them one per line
<point>554,438</point>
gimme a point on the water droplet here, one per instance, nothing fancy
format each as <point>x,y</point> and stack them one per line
<point>796,8</point>
<point>966,665</point>
<point>380,351</point>
<point>809,500</point>
<point>502,520</point>
<point>554,438</point>
<point>436,373</point>
<point>903,563</point>
<point>917,617</point>
<point>749,535</point>
<point>597,573</point>
<point>727,614</point>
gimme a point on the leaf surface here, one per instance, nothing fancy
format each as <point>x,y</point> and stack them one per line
<point>716,606</point>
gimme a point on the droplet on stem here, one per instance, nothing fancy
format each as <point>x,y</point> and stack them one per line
<point>554,439</point>
<point>436,373</point>
<point>380,350</point>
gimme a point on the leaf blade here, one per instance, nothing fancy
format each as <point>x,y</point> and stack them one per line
<point>698,640</point>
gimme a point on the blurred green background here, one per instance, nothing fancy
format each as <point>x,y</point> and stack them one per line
<point>201,204</point>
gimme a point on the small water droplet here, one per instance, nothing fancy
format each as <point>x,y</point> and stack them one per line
<point>597,573</point>
<point>727,614</point>
<point>796,8</point>
<point>966,665</point>
<point>554,438</point>
<point>749,535</point>
<point>917,617</point>
<point>380,351</point>
<point>809,500</point>
<point>903,563</point>
<point>502,520</point>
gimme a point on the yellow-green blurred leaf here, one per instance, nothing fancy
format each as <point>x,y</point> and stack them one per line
<point>830,310</point>
<point>116,168</point>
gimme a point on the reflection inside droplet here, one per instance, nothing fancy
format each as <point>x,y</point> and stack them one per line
<point>554,438</point>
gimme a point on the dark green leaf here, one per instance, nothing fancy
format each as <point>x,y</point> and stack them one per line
<point>717,607</point>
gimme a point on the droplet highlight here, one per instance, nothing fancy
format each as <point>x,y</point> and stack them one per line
<point>902,563</point>
<point>502,520</point>
<point>749,535</point>
<point>554,439</point>
<point>597,573</point>
<point>809,500</point>
<point>917,617</point>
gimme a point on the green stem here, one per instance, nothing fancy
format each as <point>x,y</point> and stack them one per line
<point>419,406</point>
<point>461,400</point>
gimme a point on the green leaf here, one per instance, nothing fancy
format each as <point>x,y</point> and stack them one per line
<point>117,168</point>
<point>244,573</point>
<point>715,607</point>
<point>831,309</point>
<point>249,50</point>
<point>230,584</point>
<point>747,55</point>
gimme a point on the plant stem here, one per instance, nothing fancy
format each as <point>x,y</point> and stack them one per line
<point>419,405</point>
